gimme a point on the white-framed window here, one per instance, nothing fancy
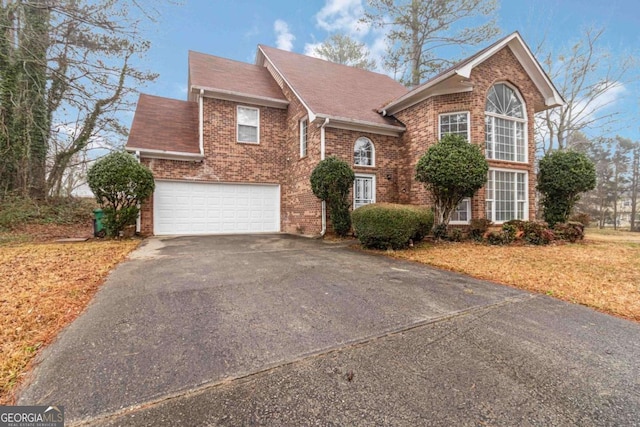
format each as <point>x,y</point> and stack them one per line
<point>248,119</point>
<point>455,123</point>
<point>506,195</point>
<point>462,213</point>
<point>364,190</point>
<point>364,153</point>
<point>304,124</point>
<point>505,125</point>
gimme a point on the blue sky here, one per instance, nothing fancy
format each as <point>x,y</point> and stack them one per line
<point>233,29</point>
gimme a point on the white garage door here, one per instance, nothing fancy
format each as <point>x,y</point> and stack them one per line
<point>204,208</point>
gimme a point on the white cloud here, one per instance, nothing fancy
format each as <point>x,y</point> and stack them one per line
<point>284,38</point>
<point>342,16</point>
<point>310,50</point>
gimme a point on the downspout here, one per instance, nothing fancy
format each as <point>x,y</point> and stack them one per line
<point>322,154</point>
<point>201,121</point>
<point>138,221</point>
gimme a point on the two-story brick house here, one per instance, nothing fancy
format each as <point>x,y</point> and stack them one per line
<point>236,157</point>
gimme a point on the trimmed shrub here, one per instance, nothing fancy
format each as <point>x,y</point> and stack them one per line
<point>478,227</point>
<point>390,226</point>
<point>537,233</point>
<point>331,182</point>
<point>455,235</point>
<point>510,232</point>
<point>571,231</point>
<point>497,238</point>
<point>440,231</point>
<point>120,184</point>
<point>563,177</point>
<point>451,170</point>
<point>582,218</point>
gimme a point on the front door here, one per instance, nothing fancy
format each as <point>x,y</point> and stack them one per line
<point>364,190</point>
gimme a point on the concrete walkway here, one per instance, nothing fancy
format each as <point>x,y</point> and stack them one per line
<point>279,330</point>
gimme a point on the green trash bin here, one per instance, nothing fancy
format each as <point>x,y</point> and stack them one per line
<point>98,226</point>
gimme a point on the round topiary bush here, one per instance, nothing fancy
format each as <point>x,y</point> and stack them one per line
<point>120,184</point>
<point>331,182</point>
<point>390,226</point>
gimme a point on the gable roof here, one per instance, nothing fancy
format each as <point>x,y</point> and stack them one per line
<point>455,79</point>
<point>339,92</point>
<point>165,127</point>
<point>233,80</point>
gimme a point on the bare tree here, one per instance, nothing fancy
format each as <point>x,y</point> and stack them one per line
<point>586,75</point>
<point>418,29</point>
<point>71,66</point>
<point>342,49</point>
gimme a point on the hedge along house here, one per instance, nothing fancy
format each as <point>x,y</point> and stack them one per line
<point>236,157</point>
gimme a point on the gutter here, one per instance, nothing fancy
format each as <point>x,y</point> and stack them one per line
<point>322,155</point>
<point>201,122</point>
<point>138,219</point>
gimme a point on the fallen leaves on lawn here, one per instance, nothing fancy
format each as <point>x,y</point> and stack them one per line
<point>44,287</point>
<point>602,275</point>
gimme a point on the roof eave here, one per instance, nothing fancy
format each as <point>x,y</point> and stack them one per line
<point>552,96</point>
<point>165,154</point>
<point>234,96</point>
<point>361,125</point>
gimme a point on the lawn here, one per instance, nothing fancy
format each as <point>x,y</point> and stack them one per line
<point>602,272</point>
<point>44,287</point>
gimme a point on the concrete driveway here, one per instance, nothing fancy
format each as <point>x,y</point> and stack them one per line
<point>281,330</point>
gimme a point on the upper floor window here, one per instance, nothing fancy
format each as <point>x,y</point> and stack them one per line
<point>455,123</point>
<point>303,138</point>
<point>363,152</point>
<point>505,125</point>
<point>248,119</point>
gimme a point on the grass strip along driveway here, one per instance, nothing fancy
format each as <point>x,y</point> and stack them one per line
<point>602,272</point>
<point>43,288</point>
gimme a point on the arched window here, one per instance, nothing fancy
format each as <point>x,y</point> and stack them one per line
<point>363,152</point>
<point>505,125</point>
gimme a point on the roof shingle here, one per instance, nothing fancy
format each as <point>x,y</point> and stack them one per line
<point>165,124</point>
<point>212,72</point>
<point>336,90</point>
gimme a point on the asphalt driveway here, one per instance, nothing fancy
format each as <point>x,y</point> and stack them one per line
<point>281,330</point>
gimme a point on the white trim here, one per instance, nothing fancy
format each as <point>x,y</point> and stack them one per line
<point>228,95</point>
<point>521,51</point>
<point>373,153</point>
<point>524,121</point>
<point>362,126</point>
<point>201,121</point>
<point>150,153</point>
<point>468,113</point>
<point>526,192</point>
<point>468,221</point>
<point>306,137</point>
<point>374,190</point>
<point>257,141</point>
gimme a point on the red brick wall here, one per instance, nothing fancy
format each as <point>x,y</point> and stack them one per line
<point>388,159</point>
<point>301,210</point>
<point>277,158</point>
<point>226,160</point>
<point>421,121</point>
